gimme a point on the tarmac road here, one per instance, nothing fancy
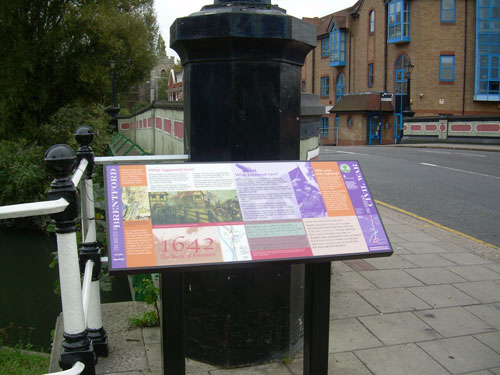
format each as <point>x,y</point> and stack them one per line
<point>457,188</point>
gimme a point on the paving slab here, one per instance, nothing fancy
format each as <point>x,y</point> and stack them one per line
<point>394,300</point>
<point>465,259</point>
<point>475,273</point>
<point>424,247</point>
<point>340,266</point>
<point>417,236</point>
<point>489,313</point>
<point>349,305</point>
<point>347,281</point>
<point>491,339</point>
<point>483,291</point>
<point>435,275</point>
<point>407,359</point>
<point>384,279</point>
<point>349,334</point>
<point>443,295</point>
<point>454,321</point>
<point>393,262</point>
<point>462,354</point>
<point>429,260</point>
<point>399,328</point>
<point>495,371</point>
<point>338,364</point>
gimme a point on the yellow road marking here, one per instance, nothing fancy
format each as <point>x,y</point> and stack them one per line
<point>436,224</point>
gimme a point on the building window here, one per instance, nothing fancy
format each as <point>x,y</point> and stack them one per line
<point>370,75</point>
<point>398,21</point>
<point>324,127</point>
<point>340,87</point>
<point>337,47</point>
<point>325,86</point>
<point>446,68</point>
<point>303,86</point>
<point>487,50</point>
<point>448,10</point>
<point>371,17</point>
<point>325,52</point>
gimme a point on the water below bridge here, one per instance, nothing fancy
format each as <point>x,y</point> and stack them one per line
<point>28,304</point>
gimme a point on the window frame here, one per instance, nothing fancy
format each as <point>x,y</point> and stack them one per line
<point>324,127</point>
<point>338,44</point>
<point>443,69</point>
<point>398,21</point>
<point>325,86</point>
<point>339,87</point>
<point>452,10</point>
<point>371,21</point>
<point>487,66</point>
<point>370,75</point>
<point>325,47</point>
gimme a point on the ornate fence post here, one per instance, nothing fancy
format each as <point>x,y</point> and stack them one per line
<point>60,160</point>
<point>89,248</point>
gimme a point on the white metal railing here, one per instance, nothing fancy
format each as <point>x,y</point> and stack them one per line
<point>80,298</point>
<point>77,369</point>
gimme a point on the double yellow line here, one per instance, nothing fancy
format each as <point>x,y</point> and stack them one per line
<point>436,224</point>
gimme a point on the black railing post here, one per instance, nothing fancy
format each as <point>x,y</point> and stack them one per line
<point>60,160</point>
<point>89,248</point>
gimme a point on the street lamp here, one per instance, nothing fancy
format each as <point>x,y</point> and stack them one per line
<point>113,110</point>
<point>407,111</point>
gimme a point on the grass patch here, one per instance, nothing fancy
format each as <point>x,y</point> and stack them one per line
<point>148,319</point>
<point>20,362</point>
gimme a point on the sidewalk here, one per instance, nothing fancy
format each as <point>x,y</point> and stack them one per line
<point>432,308</point>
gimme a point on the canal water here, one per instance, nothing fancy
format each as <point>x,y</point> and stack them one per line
<point>28,304</point>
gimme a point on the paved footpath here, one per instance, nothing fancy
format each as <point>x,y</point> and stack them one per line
<point>432,308</point>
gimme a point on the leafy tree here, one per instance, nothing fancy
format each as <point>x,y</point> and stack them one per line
<point>161,48</point>
<point>55,76</point>
<point>58,52</point>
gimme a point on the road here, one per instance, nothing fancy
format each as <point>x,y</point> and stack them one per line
<point>459,189</point>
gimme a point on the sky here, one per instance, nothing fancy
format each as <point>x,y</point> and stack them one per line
<point>167,11</point>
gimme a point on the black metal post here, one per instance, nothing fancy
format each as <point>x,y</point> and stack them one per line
<point>172,316</point>
<point>84,135</point>
<point>317,318</point>
<point>60,160</point>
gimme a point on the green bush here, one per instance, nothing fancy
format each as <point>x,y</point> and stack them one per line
<point>22,173</point>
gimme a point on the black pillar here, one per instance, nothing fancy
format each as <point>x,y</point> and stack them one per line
<point>242,62</point>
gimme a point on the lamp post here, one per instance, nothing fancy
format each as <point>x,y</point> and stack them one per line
<point>407,112</point>
<point>113,110</point>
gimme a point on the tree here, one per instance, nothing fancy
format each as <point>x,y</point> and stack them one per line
<point>58,52</point>
<point>55,76</point>
<point>161,48</point>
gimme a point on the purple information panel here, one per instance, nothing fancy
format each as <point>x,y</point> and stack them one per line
<point>179,215</point>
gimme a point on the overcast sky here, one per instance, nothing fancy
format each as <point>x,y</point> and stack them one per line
<point>167,11</point>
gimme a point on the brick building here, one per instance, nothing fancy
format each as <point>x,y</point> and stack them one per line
<point>450,47</point>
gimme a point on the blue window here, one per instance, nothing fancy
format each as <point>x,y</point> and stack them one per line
<point>325,86</point>
<point>370,75</point>
<point>398,21</point>
<point>446,68</point>
<point>371,17</point>
<point>340,87</point>
<point>337,47</point>
<point>448,11</point>
<point>324,127</point>
<point>303,86</point>
<point>325,52</point>
<point>487,50</point>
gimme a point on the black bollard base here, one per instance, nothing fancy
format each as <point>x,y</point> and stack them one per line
<point>99,341</point>
<point>78,347</point>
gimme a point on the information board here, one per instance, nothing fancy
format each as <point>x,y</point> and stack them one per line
<point>178,215</point>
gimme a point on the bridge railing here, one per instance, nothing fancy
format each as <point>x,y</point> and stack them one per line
<point>84,336</point>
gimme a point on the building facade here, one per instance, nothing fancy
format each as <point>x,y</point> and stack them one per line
<point>438,58</point>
